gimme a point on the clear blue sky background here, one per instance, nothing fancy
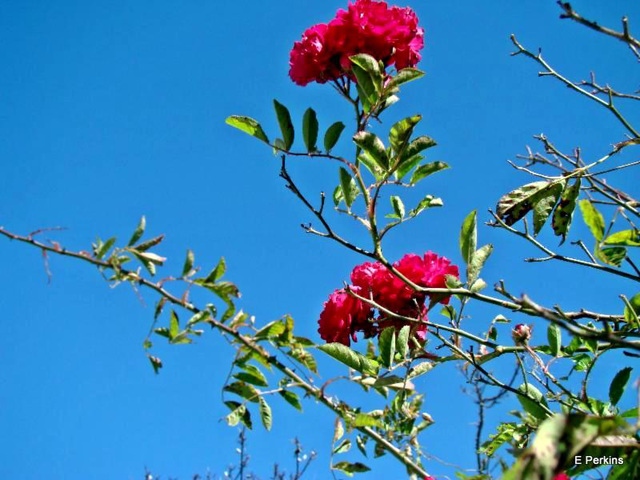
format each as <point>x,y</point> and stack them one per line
<point>111,110</point>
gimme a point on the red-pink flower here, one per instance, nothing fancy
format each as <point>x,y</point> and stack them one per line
<point>561,476</point>
<point>390,35</point>
<point>343,316</point>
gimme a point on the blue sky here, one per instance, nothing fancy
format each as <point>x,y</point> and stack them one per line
<point>111,110</point>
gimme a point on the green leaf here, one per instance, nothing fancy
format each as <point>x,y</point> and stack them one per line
<point>271,330</point>
<point>347,183</point>
<point>243,390</point>
<point>405,75</point>
<point>349,357</point>
<point>343,447</point>
<point>305,358</point>
<point>478,259</point>
<point>248,125</point>
<point>373,146</point>
<point>533,406</point>
<point>562,215</point>
<point>427,169</point>
<point>627,238</point>
<point>252,375</point>
<point>402,342</point>
<point>364,420</point>
<point>338,430</point>
<point>554,336</point>
<point>469,237</point>
<point>144,246</point>
<point>332,135</point>
<point>593,219</point>
<point>543,203</point>
<point>265,413</point>
<point>631,314</point>
<point>369,65</point>
<point>619,383</point>
<point>137,234</point>
<point>310,130</point>
<point>217,272</point>
<point>401,132</point>
<point>188,263</point>
<point>427,202</point>
<point>417,146</point>
<point>361,443</point>
<point>104,248</point>
<point>291,398</point>
<point>286,125</point>
<point>421,369</point>
<point>350,468</point>
<point>517,203</point>
<point>387,346</point>
<point>398,206</point>
<point>611,256</point>
<point>407,165</point>
<point>174,325</point>
<point>237,411</point>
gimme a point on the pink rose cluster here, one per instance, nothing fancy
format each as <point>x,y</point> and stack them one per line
<point>344,315</point>
<point>389,34</point>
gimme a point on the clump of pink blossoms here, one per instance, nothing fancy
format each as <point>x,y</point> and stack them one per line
<point>344,315</point>
<point>389,34</point>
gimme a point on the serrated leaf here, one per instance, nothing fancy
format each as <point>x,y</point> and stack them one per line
<point>237,411</point>
<point>427,169</point>
<point>347,184</point>
<point>247,125</point>
<point>271,330</point>
<point>401,132</point>
<point>619,383</point>
<point>593,219</point>
<point>265,414</point>
<point>478,259</point>
<point>554,337</point>
<point>387,346</point>
<point>188,263</point>
<point>350,358</point>
<point>369,65</point>
<point>332,135</point>
<point>286,125</point>
<point>397,205</point>
<point>364,420</point>
<point>517,203</point>
<point>373,146</point>
<point>144,246</point>
<point>402,341</point>
<point>174,325</point>
<point>627,238</point>
<point>543,203</point>
<point>563,213</point>
<point>403,76</point>
<point>139,231</point>
<point>310,130</point>
<point>291,398</point>
<point>469,237</point>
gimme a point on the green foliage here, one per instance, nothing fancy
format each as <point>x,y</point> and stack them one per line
<point>286,125</point>
<point>332,135</point>
<point>248,125</point>
<point>310,130</point>
<point>563,213</point>
<point>350,358</point>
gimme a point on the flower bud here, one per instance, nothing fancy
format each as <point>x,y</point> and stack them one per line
<point>521,334</point>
